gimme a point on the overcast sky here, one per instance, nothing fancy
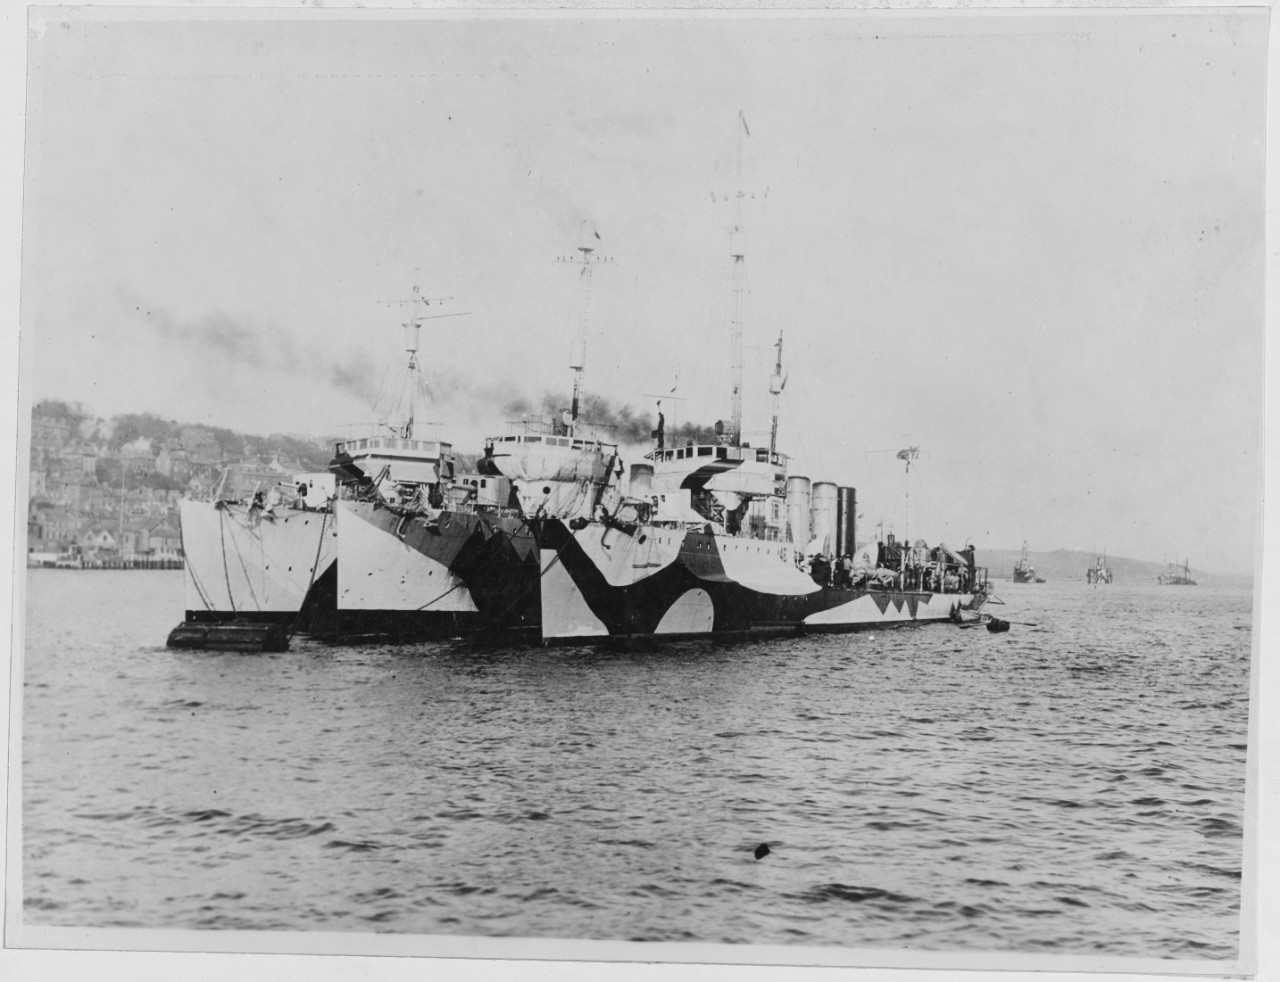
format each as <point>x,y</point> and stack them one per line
<point>1030,245</point>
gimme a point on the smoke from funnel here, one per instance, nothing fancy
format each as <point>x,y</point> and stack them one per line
<point>265,348</point>
<point>481,397</point>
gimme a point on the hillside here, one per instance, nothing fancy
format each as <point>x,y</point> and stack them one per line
<point>58,424</point>
<point>1070,564</point>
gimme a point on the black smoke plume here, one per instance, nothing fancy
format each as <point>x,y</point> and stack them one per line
<point>270,347</point>
<point>630,427</point>
<point>263,346</point>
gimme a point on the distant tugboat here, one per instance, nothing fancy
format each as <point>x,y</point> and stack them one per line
<point>1023,571</point>
<point>1177,575</point>
<point>1101,572</point>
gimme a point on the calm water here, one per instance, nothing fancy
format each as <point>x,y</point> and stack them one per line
<point>1074,787</point>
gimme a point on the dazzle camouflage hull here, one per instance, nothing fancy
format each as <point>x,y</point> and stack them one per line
<point>248,565</point>
<point>403,575</point>
<point>600,581</point>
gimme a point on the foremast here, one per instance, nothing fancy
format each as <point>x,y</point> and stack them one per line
<point>391,449</point>
<point>559,466</point>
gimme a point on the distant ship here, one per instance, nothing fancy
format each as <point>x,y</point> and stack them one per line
<point>1023,571</point>
<point>1100,572</point>
<point>1176,575</point>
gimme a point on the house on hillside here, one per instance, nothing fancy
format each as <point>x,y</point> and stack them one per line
<point>137,458</point>
<point>49,429</point>
<point>67,484</point>
<point>133,540</point>
<point>164,541</point>
<point>79,453</point>
<point>252,474</point>
<point>200,443</point>
<point>99,542</point>
<point>199,487</point>
<point>174,461</point>
<point>51,524</point>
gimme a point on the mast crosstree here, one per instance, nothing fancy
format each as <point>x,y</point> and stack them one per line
<point>412,343</point>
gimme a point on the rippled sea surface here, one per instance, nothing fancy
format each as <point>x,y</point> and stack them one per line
<point>1075,786</point>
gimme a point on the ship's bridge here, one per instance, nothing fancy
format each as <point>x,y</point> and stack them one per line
<point>730,471</point>
<point>530,451</point>
<point>407,460</point>
<point>719,451</point>
<point>568,442</point>
<point>552,432</point>
<point>390,446</point>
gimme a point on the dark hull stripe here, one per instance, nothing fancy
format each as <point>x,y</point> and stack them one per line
<point>638,608</point>
<point>495,557</point>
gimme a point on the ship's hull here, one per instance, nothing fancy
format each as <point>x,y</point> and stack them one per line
<point>244,565</point>
<point>401,576</point>
<point>601,582</point>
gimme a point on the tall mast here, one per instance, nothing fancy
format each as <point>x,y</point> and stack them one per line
<point>738,196</point>
<point>776,384</point>
<point>578,351</point>
<point>412,337</point>
<point>907,456</point>
<point>578,356</point>
<point>412,332</point>
<point>735,331</point>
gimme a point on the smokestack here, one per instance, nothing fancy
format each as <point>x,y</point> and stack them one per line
<point>822,515</point>
<point>798,510</point>
<point>846,521</point>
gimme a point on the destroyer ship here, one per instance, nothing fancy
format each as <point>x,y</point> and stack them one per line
<point>713,538</point>
<point>717,539</point>
<point>548,542</point>
<point>477,547</point>
<point>306,556</point>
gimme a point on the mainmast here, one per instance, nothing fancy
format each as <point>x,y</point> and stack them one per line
<point>578,356</point>
<point>735,334</point>
<point>412,333</point>
<point>734,436</point>
<point>776,384</point>
<point>908,455</point>
<point>578,351</point>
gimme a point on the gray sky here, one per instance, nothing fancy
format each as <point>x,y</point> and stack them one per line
<point>1031,245</point>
